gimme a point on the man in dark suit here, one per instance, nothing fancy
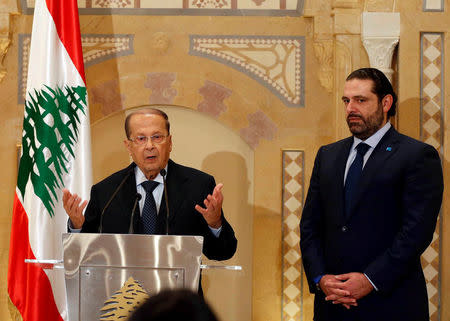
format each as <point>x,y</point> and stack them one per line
<point>370,213</point>
<point>123,195</point>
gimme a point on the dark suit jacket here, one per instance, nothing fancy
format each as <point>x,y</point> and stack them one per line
<point>389,227</point>
<point>186,187</point>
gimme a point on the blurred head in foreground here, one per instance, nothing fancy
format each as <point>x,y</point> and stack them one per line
<point>174,305</point>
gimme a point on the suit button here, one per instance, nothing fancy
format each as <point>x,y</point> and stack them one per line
<point>344,229</point>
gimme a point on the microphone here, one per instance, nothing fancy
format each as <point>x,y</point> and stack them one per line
<point>100,228</point>
<point>163,174</point>
<point>136,201</point>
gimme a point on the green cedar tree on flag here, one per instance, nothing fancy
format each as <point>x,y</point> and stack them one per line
<point>55,155</point>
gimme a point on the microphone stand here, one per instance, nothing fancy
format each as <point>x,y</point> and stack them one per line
<point>136,201</point>
<point>100,229</point>
<point>163,174</point>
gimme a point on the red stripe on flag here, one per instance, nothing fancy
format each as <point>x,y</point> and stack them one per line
<point>28,285</point>
<point>65,16</point>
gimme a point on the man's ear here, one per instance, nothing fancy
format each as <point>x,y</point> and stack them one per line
<point>386,102</point>
<point>126,142</point>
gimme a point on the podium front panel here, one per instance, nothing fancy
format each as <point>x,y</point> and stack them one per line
<point>111,273</point>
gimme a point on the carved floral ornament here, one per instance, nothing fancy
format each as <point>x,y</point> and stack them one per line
<point>5,41</point>
<point>323,51</point>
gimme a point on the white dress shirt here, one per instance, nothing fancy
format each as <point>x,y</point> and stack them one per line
<point>372,141</point>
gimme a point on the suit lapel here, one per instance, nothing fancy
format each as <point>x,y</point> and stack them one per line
<point>340,163</point>
<point>175,186</point>
<point>128,194</point>
<point>122,203</point>
<point>387,147</point>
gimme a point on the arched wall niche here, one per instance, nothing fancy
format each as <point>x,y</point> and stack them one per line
<point>205,143</point>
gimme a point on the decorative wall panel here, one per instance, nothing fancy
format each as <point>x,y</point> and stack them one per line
<point>185,7</point>
<point>433,5</point>
<point>431,88</point>
<point>276,62</point>
<point>292,268</point>
<point>431,132</point>
<point>96,48</point>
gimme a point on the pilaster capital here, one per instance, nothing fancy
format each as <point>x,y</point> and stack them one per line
<point>380,35</point>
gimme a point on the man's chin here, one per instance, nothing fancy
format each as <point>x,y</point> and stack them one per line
<point>359,132</point>
<point>356,129</point>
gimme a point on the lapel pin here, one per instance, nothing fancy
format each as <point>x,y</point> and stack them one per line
<point>389,148</point>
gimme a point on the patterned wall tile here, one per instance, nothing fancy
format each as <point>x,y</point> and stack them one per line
<point>96,48</point>
<point>112,4</point>
<point>292,268</point>
<point>210,4</point>
<point>276,62</point>
<point>433,5</point>
<point>431,130</point>
<point>431,88</point>
<point>185,7</point>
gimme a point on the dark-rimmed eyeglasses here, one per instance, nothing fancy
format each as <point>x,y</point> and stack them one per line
<point>155,139</point>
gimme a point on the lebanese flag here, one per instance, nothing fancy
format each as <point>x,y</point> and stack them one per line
<point>55,155</point>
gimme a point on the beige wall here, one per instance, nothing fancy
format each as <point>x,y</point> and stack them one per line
<point>333,48</point>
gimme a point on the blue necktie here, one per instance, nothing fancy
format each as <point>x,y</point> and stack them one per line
<point>353,177</point>
<point>149,213</point>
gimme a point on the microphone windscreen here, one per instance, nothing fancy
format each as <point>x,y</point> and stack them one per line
<point>138,196</point>
<point>163,172</point>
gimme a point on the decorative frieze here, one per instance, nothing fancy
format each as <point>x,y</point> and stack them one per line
<point>185,7</point>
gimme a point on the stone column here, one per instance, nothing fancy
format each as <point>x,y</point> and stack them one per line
<point>380,35</point>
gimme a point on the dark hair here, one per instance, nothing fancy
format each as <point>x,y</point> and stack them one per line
<point>146,111</point>
<point>381,85</point>
<point>174,305</point>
